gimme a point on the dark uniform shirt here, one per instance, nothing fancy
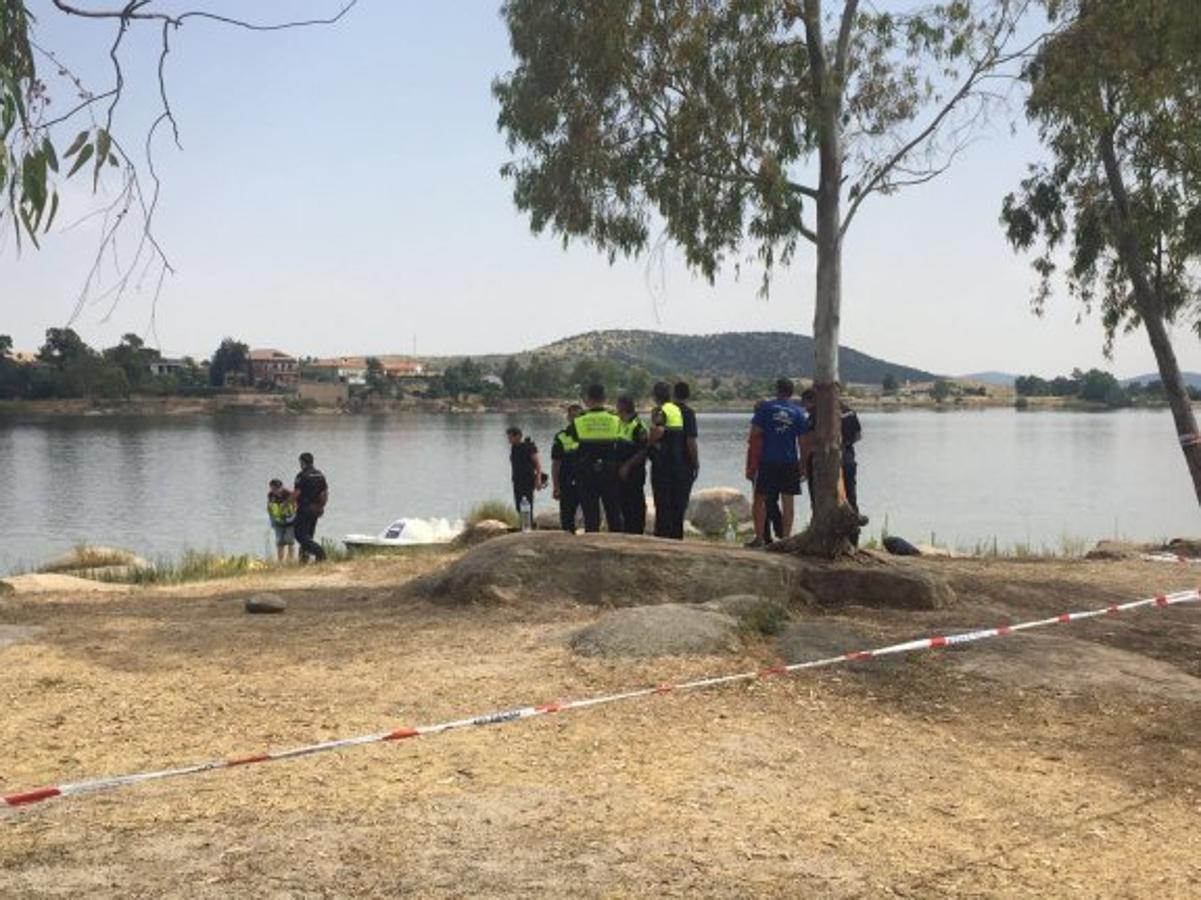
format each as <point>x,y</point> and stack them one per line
<point>564,450</point>
<point>521,458</point>
<point>669,456</point>
<point>310,484</point>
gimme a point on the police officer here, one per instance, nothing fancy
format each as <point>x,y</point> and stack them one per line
<point>671,472</point>
<point>631,466</point>
<point>597,431</point>
<point>562,472</point>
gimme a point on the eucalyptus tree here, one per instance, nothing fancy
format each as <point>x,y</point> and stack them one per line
<point>744,128</point>
<point>1116,95</point>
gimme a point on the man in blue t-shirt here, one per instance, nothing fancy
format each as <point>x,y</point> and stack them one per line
<point>775,462</point>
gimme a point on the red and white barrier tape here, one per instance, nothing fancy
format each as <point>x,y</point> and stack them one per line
<point>529,712</point>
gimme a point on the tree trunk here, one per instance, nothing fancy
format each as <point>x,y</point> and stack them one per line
<point>1150,310</point>
<point>833,520</point>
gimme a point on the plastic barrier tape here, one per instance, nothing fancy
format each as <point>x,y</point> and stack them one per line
<point>528,712</point>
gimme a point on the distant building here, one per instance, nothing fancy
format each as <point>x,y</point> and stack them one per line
<point>346,369</point>
<point>273,367</point>
<point>162,367</point>
<point>352,370</point>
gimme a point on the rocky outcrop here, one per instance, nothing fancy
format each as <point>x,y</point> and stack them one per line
<point>892,587</point>
<point>610,570</point>
<point>630,570</point>
<point>484,530</point>
<point>712,510</point>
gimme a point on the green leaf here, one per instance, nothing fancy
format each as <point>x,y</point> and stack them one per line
<point>76,144</point>
<point>104,143</point>
<point>53,211</point>
<point>48,153</point>
<point>84,155</point>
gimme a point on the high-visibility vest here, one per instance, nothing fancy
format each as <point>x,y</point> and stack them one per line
<point>673,416</point>
<point>630,430</point>
<point>282,512</point>
<point>596,426</point>
<point>567,442</point>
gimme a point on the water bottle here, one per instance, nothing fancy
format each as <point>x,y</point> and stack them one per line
<point>527,514</point>
<point>731,532</point>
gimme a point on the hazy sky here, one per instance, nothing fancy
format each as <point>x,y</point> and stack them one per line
<point>338,192</point>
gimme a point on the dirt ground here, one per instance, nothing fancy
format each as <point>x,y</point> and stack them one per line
<point>1062,765</point>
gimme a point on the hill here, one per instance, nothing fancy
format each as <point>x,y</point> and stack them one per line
<point>998,379</point>
<point>1191,379</point>
<point>752,354</point>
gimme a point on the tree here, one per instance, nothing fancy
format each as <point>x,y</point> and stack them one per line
<point>133,357</point>
<point>1031,386</point>
<point>1097,386</point>
<point>889,384</point>
<point>63,347</point>
<point>377,377</point>
<point>712,116</point>
<point>1116,96</point>
<point>6,346</point>
<point>229,358</point>
<point>941,391</point>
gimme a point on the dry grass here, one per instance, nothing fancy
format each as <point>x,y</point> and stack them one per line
<point>920,779</point>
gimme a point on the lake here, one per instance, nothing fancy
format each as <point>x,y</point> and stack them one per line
<point>160,486</point>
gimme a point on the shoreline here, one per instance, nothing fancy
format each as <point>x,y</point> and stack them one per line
<point>275,405</point>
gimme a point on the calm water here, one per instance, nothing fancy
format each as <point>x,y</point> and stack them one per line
<point>159,487</point>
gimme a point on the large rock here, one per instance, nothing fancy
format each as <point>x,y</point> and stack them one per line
<point>484,530</point>
<point>712,509</point>
<point>667,630</point>
<point>1115,550</point>
<point>893,587</point>
<point>265,603</point>
<point>610,570</point>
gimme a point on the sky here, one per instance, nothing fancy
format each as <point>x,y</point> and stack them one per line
<point>338,192</point>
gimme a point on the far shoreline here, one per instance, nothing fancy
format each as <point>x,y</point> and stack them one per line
<point>283,405</point>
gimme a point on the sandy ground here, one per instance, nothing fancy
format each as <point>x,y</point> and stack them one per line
<point>1066,765</point>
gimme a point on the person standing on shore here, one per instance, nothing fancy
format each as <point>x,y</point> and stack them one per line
<point>631,467</point>
<point>671,474</point>
<point>281,510</point>
<point>773,524</point>
<point>562,472</point>
<point>597,430</point>
<point>526,467</point>
<point>311,493</point>
<point>779,426</point>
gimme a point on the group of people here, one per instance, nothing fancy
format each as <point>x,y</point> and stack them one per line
<point>780,456</point>
<point>294,512</point>
<point>599,463</point>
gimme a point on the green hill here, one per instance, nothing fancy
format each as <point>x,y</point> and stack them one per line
<point>752,354</point>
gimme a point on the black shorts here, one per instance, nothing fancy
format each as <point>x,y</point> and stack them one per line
<point>778,478</point>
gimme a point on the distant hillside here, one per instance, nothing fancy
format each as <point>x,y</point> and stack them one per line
<point>1191,379</point>
<point>754,354</point>
<point>999,379</point>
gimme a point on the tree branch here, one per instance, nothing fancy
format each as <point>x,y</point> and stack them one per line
<point>846,30</point>
<point>988,62</point>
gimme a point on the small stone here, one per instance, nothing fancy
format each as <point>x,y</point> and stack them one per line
<point>265,603</point>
